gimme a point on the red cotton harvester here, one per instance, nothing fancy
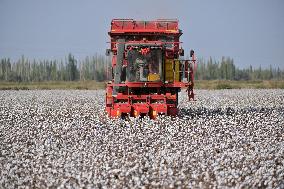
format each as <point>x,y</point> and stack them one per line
<point>147,68</point>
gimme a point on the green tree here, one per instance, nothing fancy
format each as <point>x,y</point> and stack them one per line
<point>72,68</point>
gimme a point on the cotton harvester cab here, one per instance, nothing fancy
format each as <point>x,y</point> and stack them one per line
<point>147,71</point>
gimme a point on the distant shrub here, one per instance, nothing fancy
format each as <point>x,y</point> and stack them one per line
<point>260,86</point>
<point>44,87</point>
<point>6,88</point>
<point>223,86</point>
<point>23,88</point>
<point>81,87</point>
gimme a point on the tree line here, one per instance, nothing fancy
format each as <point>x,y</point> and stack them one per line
<point>98,68</point>
<point>70,69</point>
<point>227,70</point>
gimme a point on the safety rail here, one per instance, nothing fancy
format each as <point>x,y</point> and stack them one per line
<point>183,72</point>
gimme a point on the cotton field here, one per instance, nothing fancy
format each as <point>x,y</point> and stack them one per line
<point>63,139</point>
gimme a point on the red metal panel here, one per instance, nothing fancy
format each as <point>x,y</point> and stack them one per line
<point>149,84</point>
<point>113,61</point>
<point>137,84</point>
<point>141,108</point>
<point>159,108</point>
<point>121,96</point>
<point>108,96</point>
<point>129,25</point>
<point>177,85</point>
<point>122,107</point>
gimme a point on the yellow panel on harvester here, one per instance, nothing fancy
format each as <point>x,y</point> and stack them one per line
<point>176,70</point>
<point>169,74</point>
<point>169,70</point>
<point>153,77</point>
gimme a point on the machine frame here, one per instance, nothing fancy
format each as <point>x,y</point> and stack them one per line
<point>154,96</point>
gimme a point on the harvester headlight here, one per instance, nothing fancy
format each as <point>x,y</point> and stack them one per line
<point>118,113</point>
<point>135,113</point>
<point>154,113</point>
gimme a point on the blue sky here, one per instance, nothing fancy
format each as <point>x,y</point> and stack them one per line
<point>249,31</point>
